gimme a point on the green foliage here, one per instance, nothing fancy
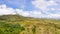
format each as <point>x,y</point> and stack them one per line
<point>7,28</point>
<point>34,29</point>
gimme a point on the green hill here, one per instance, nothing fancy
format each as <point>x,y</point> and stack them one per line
<point>15,24</point>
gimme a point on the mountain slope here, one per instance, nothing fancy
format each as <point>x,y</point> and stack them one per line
<point>15,24</point>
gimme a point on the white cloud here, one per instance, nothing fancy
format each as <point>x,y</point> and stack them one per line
<point>43,4</point>
<point>28,13</point>
<point>58,9</point>
<point>53,9</point>
<point>21,12</point>
<point>4,10</point>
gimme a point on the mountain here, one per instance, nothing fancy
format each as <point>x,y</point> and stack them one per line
<point>17,24</point>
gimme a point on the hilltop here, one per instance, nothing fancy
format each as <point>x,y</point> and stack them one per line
<point>17,24</point>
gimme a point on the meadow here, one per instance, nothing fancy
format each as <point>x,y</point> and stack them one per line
<point>15,24</point>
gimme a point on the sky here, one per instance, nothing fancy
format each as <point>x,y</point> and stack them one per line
<point>31,8</point>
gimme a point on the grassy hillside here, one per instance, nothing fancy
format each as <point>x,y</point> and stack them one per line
<point>15,24</point>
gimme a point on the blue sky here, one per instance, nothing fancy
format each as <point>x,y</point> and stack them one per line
<point>31,8</point>
<point>18,4</point>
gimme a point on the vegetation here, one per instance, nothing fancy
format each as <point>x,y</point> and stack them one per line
<point>15,24</point>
